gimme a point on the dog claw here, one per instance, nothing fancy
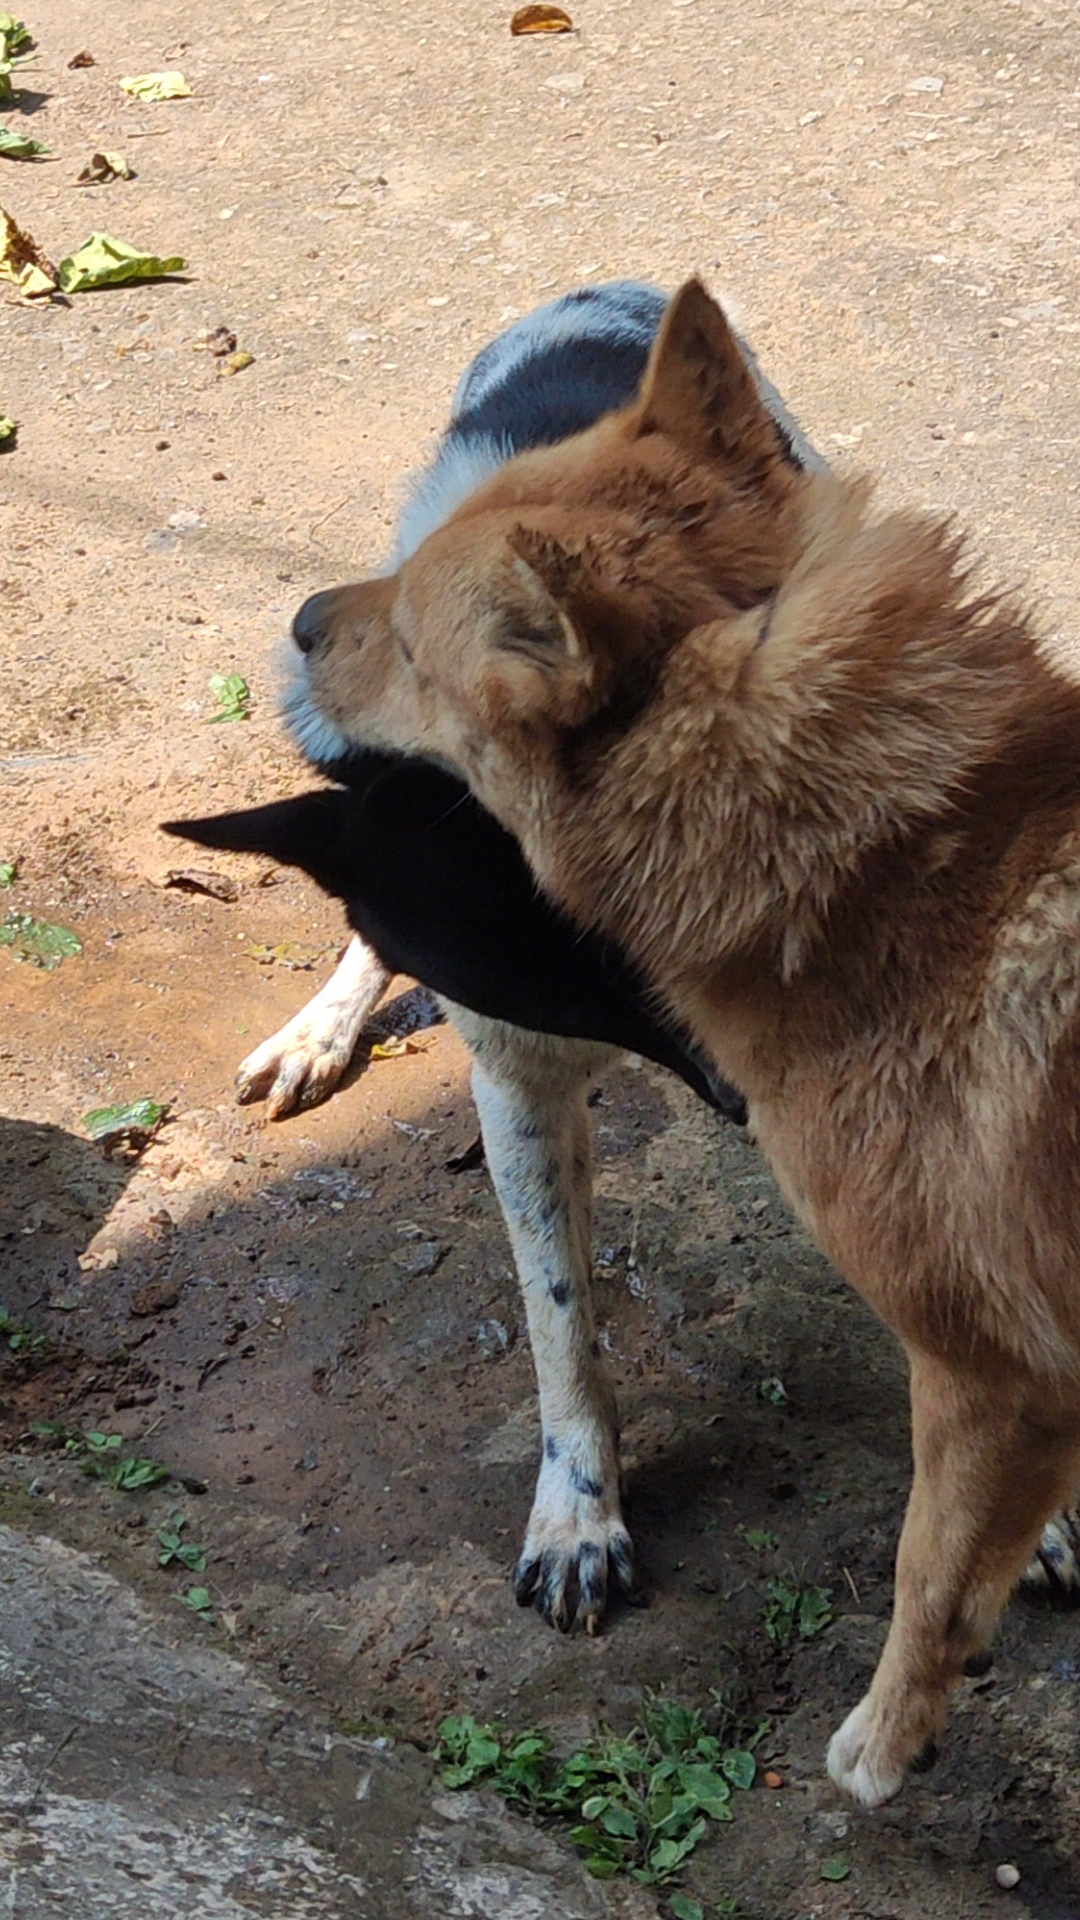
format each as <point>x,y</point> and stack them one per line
<point>570,1587</point>
<point>978,1664</point>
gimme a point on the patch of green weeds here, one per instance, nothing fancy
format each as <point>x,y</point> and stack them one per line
<point>100,1457</point>
<point>172,1547</point>
<point>640,1801</point>
<point>16,48</point>
<point>9,872</point>
<point>39,942</point>
<point>19,1341</point>
<point>795,1611</point>
<point>232,695</point>
<point>200,1602</point>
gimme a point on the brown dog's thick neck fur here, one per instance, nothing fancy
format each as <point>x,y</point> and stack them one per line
<point>828,796</point>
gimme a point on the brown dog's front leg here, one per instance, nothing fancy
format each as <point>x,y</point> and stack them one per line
<point>530,1094</point>
<point>991,1463</point>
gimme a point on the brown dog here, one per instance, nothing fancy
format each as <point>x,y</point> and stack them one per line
<point>828,797</point>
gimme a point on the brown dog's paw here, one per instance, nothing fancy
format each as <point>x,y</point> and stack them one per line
<point>1053,1572</point>
<point>863,1763</point>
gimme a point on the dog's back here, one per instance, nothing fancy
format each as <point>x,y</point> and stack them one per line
<point>551,375</point>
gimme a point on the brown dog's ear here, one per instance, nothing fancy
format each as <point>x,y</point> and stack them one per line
<point>539,623</point>
<point>539,670</point>
<point>698,389</point>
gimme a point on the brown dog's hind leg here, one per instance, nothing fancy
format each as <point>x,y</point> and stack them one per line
<point>991,1463</point>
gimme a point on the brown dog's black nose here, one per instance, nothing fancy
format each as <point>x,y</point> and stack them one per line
<point>309,626</point>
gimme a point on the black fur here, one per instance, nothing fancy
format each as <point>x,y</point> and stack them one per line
<point>443,893</point>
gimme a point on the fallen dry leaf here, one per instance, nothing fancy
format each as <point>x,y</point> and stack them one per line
<point>104,166</point>
<point>541,19</point>
<point>22,261</point>
<point>81,60</point>
<point>216,340</point>
<point>394,1046</point>
<point>199,880</point>
<point>236,362</point>
<point>288,953</point>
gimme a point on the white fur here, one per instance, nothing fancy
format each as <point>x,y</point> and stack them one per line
<point>851,1762</point>
<point>530,1094</point>
<point>303,1062</point>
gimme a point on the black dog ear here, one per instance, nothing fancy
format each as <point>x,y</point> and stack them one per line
<point>311,832</point>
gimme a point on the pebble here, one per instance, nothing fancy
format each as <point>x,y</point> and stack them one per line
<point>1007,1875</point>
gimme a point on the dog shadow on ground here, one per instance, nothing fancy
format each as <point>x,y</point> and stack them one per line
<point>341,1355</point>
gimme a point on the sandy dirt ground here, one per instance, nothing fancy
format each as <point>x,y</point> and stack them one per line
<point>317,1321</point>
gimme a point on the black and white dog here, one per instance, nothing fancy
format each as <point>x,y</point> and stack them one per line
<point>436,889</point>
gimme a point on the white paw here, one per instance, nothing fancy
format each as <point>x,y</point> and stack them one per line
<point>297,1067</point>
<point>1054,1567</point>
<point>577,1550</point>
<point>855,1764</point>
<point>303,1063</point>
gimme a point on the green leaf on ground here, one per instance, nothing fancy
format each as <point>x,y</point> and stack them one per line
<point>232,694</point>
<point>792,1608</point>
<point>142,1117</point>
<point>837,1868</point>
<point>103,261</point>
<point>19,146</point>
<point>38,941</point>
<point>683,1908</point>
<point>174,1548</point>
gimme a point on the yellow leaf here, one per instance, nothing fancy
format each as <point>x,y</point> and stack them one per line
<point>156,86</point>
<point>103,261</point>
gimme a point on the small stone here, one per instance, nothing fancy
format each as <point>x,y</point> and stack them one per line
<point>421,1258</point>
<point>1007,1875</point>
<point>774,1780</point>
<point>156,1297</point>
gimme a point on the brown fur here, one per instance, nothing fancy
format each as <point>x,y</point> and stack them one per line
<point>828,796</point>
